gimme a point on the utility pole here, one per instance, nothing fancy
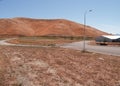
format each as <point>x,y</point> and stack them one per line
<point>84,37</point>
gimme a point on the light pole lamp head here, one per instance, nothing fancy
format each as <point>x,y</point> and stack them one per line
<point>90,10</point>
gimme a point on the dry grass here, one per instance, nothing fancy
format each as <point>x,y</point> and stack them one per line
<point>42,27</point>
<point>43,40</point>
<point>27,66</point>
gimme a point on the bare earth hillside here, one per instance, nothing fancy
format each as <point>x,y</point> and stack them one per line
<point>40,27</point>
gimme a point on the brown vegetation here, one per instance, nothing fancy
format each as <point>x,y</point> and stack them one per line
<point>29,66</point>
<point>44,41</point>
<point>42,27</point>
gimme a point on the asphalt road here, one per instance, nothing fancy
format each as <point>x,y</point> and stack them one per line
<point>4,42</point>
<point>110,50</point>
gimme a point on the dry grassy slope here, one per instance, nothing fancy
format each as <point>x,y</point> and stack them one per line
<point>30,66</point>
<point>38,27</point>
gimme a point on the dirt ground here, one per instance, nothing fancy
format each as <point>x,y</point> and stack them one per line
<point>42,41</point>
<point>54,66</point>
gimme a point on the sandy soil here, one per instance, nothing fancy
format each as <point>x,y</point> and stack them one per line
<point>28,66</point>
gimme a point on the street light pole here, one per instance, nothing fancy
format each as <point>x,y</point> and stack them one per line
<point>84,37</point>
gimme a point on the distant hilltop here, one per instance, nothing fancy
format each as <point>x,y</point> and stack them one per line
<point>45,27</point>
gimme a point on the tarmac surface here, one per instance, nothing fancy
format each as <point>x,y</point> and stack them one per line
<point>110,50</point>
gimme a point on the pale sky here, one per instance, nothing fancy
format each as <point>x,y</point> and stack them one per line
<point>105,14</point>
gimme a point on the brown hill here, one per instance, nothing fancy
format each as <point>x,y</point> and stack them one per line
<point>41,27</point>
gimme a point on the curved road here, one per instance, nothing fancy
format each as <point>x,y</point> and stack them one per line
<point>4,42</point>
<point>110,50</point>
